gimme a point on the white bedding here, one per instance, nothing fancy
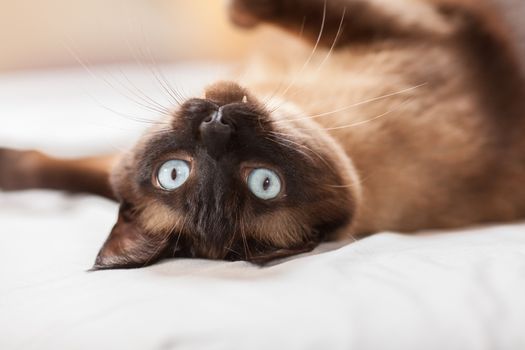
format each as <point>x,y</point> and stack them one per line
<point>455,290</point>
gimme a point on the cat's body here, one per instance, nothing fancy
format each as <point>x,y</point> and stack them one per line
<point>444,148</point>
<point>435,152</point>
<point>407,116</point>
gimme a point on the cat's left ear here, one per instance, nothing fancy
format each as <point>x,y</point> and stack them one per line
<point>128,245</point>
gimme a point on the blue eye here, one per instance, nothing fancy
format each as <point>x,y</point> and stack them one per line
<point>173,174</point>
<point>264,183</point>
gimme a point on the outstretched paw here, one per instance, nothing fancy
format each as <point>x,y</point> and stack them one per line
<point>249,13</point>
<point>17,169</point>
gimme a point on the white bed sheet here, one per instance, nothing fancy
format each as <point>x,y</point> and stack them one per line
<point>453,290</point>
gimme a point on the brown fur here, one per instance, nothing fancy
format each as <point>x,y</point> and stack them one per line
<point>470,170</point>
<point>407,116</point>
<point>21,170</point>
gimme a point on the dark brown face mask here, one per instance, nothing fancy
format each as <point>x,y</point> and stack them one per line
<point>225,187</point>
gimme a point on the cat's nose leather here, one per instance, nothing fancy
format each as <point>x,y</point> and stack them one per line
<point>215,134</point>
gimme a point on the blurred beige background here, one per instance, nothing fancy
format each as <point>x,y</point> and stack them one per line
<point>50,33</point>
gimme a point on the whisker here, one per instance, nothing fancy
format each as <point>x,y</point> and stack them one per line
<point>283,78</point>
<point>165,86</point>
<point>288,146</point>
<point>342,186</point>
<point>155,253</point>
<point>334,186</point>
<point>314,50</point>
<point>279,133</point>
<point>184,221</point>
<point>329,53</point>
<point>142,65</point>
<point>145,97</point>
<point>309,150</point>
<point>146,101</point>
<point>151,62</point>
<point>365,121</point>
<point>234,236</point>
<point>108,83</point>
<point>229,248</point>
<point>359,182</point>
<point>244,240</point>
<point>127,116</point>
<point>163,81</point>
<point>301,31</point>
<point>160,132</point>
<point>342,109</point>
<point>349,235</point>
<point>337,36</point>
<point>269,99</point>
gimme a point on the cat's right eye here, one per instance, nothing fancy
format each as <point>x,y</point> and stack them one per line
<point>264,183</point>
<point>173,174</point>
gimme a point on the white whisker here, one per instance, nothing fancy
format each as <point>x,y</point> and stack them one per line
<point>112,86</point>
<point>342,109</point>
<point>139,62</point>
<point>365,121</point>
<point>337,36</point>
<point>314,50</point>
<point>285,144</point>
<point>303,147</point>
<point>159,76</point>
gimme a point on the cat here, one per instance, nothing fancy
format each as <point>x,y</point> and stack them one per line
<point>409,119</point>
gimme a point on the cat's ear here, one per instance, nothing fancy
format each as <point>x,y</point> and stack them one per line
<point>128,245</point>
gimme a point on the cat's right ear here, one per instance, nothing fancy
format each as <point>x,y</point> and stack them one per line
<point>129,245</point>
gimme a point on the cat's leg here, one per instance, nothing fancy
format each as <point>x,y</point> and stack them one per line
<point>20,170</point>
<point>347,20</point>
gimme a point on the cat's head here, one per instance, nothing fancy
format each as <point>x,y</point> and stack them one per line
<point>229,178</point>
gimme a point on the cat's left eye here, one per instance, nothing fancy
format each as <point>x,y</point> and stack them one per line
<point>264,183</point>
<point>173,174</point>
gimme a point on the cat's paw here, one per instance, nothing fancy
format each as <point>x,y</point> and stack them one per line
<point>249,13</point>
<point>17,168</point>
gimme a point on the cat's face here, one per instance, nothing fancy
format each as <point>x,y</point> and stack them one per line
<point>228,179</point>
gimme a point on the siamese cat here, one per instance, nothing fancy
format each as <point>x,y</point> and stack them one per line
<point>410,116</point>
